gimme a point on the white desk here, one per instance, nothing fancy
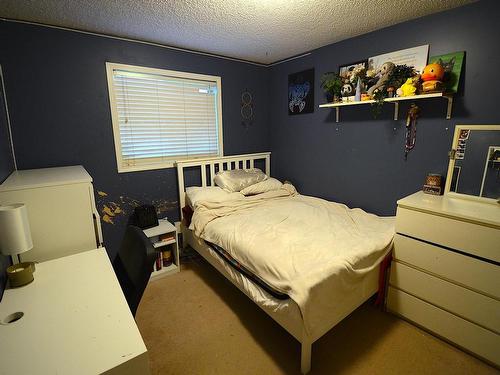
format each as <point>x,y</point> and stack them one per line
<point>76,321</point>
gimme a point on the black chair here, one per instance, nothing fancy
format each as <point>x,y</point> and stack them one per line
<point>133,265</point>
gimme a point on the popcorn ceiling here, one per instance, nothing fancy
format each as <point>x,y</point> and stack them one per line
<point>262,31</point>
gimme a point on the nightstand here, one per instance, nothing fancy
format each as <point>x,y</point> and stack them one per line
<point>168,230</point>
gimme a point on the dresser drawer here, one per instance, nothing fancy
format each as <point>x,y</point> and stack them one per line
<point>473,273</point>
<point>476,307</point>
<point>457,330</point>
<point>471,238</point>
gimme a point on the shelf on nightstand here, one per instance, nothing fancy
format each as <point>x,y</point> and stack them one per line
<point>159,244</point>
<point>164,227</point>
<point>165,271</point>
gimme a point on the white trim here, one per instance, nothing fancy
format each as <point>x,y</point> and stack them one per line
<point>166,46</point>
<point>8,118</point>
<point>288,59</point>
<point>110,67</point>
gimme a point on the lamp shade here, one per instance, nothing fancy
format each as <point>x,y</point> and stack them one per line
<point>15,234</point>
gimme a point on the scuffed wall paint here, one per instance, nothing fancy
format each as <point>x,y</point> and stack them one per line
<point>45,138</point>
<point>114,211</point>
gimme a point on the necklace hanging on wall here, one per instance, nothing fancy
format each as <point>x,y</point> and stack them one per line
<point>246,109</point>
<point>411,128</point>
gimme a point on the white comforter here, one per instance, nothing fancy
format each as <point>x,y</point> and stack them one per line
<point>314,250</point>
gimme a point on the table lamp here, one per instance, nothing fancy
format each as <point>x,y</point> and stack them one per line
<point>15,238</point>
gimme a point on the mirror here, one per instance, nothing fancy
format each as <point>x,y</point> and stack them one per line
<point>474,168</point>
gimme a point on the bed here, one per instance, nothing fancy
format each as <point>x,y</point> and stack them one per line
<point>318,296</point>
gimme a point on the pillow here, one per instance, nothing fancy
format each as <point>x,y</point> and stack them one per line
<point>238,179</point>
<point>262,187</point>
<point>210,193</point>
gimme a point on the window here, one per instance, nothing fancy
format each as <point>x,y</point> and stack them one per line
<point>160,116</point>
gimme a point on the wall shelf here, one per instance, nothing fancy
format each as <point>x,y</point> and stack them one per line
<point>395,101</point>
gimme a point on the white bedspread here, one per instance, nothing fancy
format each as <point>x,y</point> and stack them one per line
<point>314,250</point>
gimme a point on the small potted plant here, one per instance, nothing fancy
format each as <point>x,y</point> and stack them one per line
<point>399,75</point>
<point>331,83</point>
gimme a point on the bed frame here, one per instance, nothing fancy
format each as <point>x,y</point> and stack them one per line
<point>295,326</point>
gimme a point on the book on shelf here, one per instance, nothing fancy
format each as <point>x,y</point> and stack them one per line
<point>159,261</point>
<point>167,237</point>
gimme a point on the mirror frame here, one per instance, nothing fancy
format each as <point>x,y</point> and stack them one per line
<point>451,164</point>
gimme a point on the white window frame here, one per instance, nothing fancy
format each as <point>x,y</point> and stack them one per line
<point>169,163</point>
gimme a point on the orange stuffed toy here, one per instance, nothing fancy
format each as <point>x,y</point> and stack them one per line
<point>432,78</point>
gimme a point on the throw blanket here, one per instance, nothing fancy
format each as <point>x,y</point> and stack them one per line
<point>314,250</point>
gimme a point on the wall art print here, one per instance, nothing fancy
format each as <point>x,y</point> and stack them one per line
<point>416,57</point>
<point>452,64</point>
<point>346,69</point>
<point>301,92</point>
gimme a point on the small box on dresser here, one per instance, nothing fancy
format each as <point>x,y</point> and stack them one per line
<point>445,275</point>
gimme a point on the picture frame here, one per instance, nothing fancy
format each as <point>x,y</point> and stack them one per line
<point>301,92</point>
<point>346,68</point>
<point>415,56</point>
<point>452,64</point>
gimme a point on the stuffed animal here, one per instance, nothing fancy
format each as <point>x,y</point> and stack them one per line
<point>347,89</point>
<point>384,72</point>
<point>347,92</point>
<point>432,78</point>
<point>409,88</point>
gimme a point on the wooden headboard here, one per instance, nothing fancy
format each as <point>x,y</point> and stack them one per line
<point>216,164</point>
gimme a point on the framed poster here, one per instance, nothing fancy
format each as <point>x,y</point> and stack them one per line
<point>301,92</point>
<point>344,70</point>
<point>416,57</point>
<point>452,65</point>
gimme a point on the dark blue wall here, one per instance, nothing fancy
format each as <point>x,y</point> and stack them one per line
<point>60,115</point>
<point>359,161</point>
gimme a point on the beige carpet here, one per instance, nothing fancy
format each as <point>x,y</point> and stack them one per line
<point>197,322</point>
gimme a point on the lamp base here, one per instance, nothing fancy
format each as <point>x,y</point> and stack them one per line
<point>20,274</point>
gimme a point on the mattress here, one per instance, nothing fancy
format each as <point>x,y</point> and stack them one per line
<point>284,311</point>
<point>315,251</point>
<point>238,267</point>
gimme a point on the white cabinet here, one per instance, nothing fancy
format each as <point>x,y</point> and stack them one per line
<point>164,238</point>
<point>445,276</point>
<point>61,210</point>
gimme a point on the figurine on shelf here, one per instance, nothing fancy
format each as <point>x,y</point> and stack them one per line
<point>357,96</point>
<point>384,72</point>
<point>347,92</point>
<point>411,128</point>
<point>409,88</point>
<point>432,78</point>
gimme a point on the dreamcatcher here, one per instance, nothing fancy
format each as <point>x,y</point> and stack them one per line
<point>246,109</point>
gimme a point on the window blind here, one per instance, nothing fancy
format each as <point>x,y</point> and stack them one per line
<point>164,118</point>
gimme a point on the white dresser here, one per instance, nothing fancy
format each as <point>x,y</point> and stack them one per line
<point>445,276</point>
<point>61,210</point>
